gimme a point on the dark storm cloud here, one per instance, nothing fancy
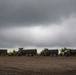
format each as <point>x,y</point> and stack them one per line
<point>39,23</point>
<point>61,35</point>
<point>33,12</point>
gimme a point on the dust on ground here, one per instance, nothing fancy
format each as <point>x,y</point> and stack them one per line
<point>37,65</point>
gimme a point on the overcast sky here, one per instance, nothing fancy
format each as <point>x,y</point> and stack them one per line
<point>37,23</point>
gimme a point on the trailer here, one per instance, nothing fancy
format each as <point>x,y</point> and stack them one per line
<point>53,52</point>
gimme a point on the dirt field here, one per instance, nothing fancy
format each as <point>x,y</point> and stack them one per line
<point>11,65</point>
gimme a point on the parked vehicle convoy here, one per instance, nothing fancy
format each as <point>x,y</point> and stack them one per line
<point>45,52</point>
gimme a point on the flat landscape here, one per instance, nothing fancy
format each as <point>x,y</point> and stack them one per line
<point>37,65</point>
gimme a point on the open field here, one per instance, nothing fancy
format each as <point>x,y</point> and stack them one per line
<point>12,65</point>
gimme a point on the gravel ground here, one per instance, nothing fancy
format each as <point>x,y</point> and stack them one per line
<point>12,65</point>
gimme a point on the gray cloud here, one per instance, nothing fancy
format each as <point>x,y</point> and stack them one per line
<point>61,35</point>
<point>33,12</point>
<point>39,23</point>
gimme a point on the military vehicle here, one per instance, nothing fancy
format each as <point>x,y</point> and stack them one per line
<point>52,52</point>
<point>3,51</point>
<point>26,52</point>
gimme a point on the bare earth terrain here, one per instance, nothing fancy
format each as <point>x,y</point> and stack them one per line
<point>12,65</point>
